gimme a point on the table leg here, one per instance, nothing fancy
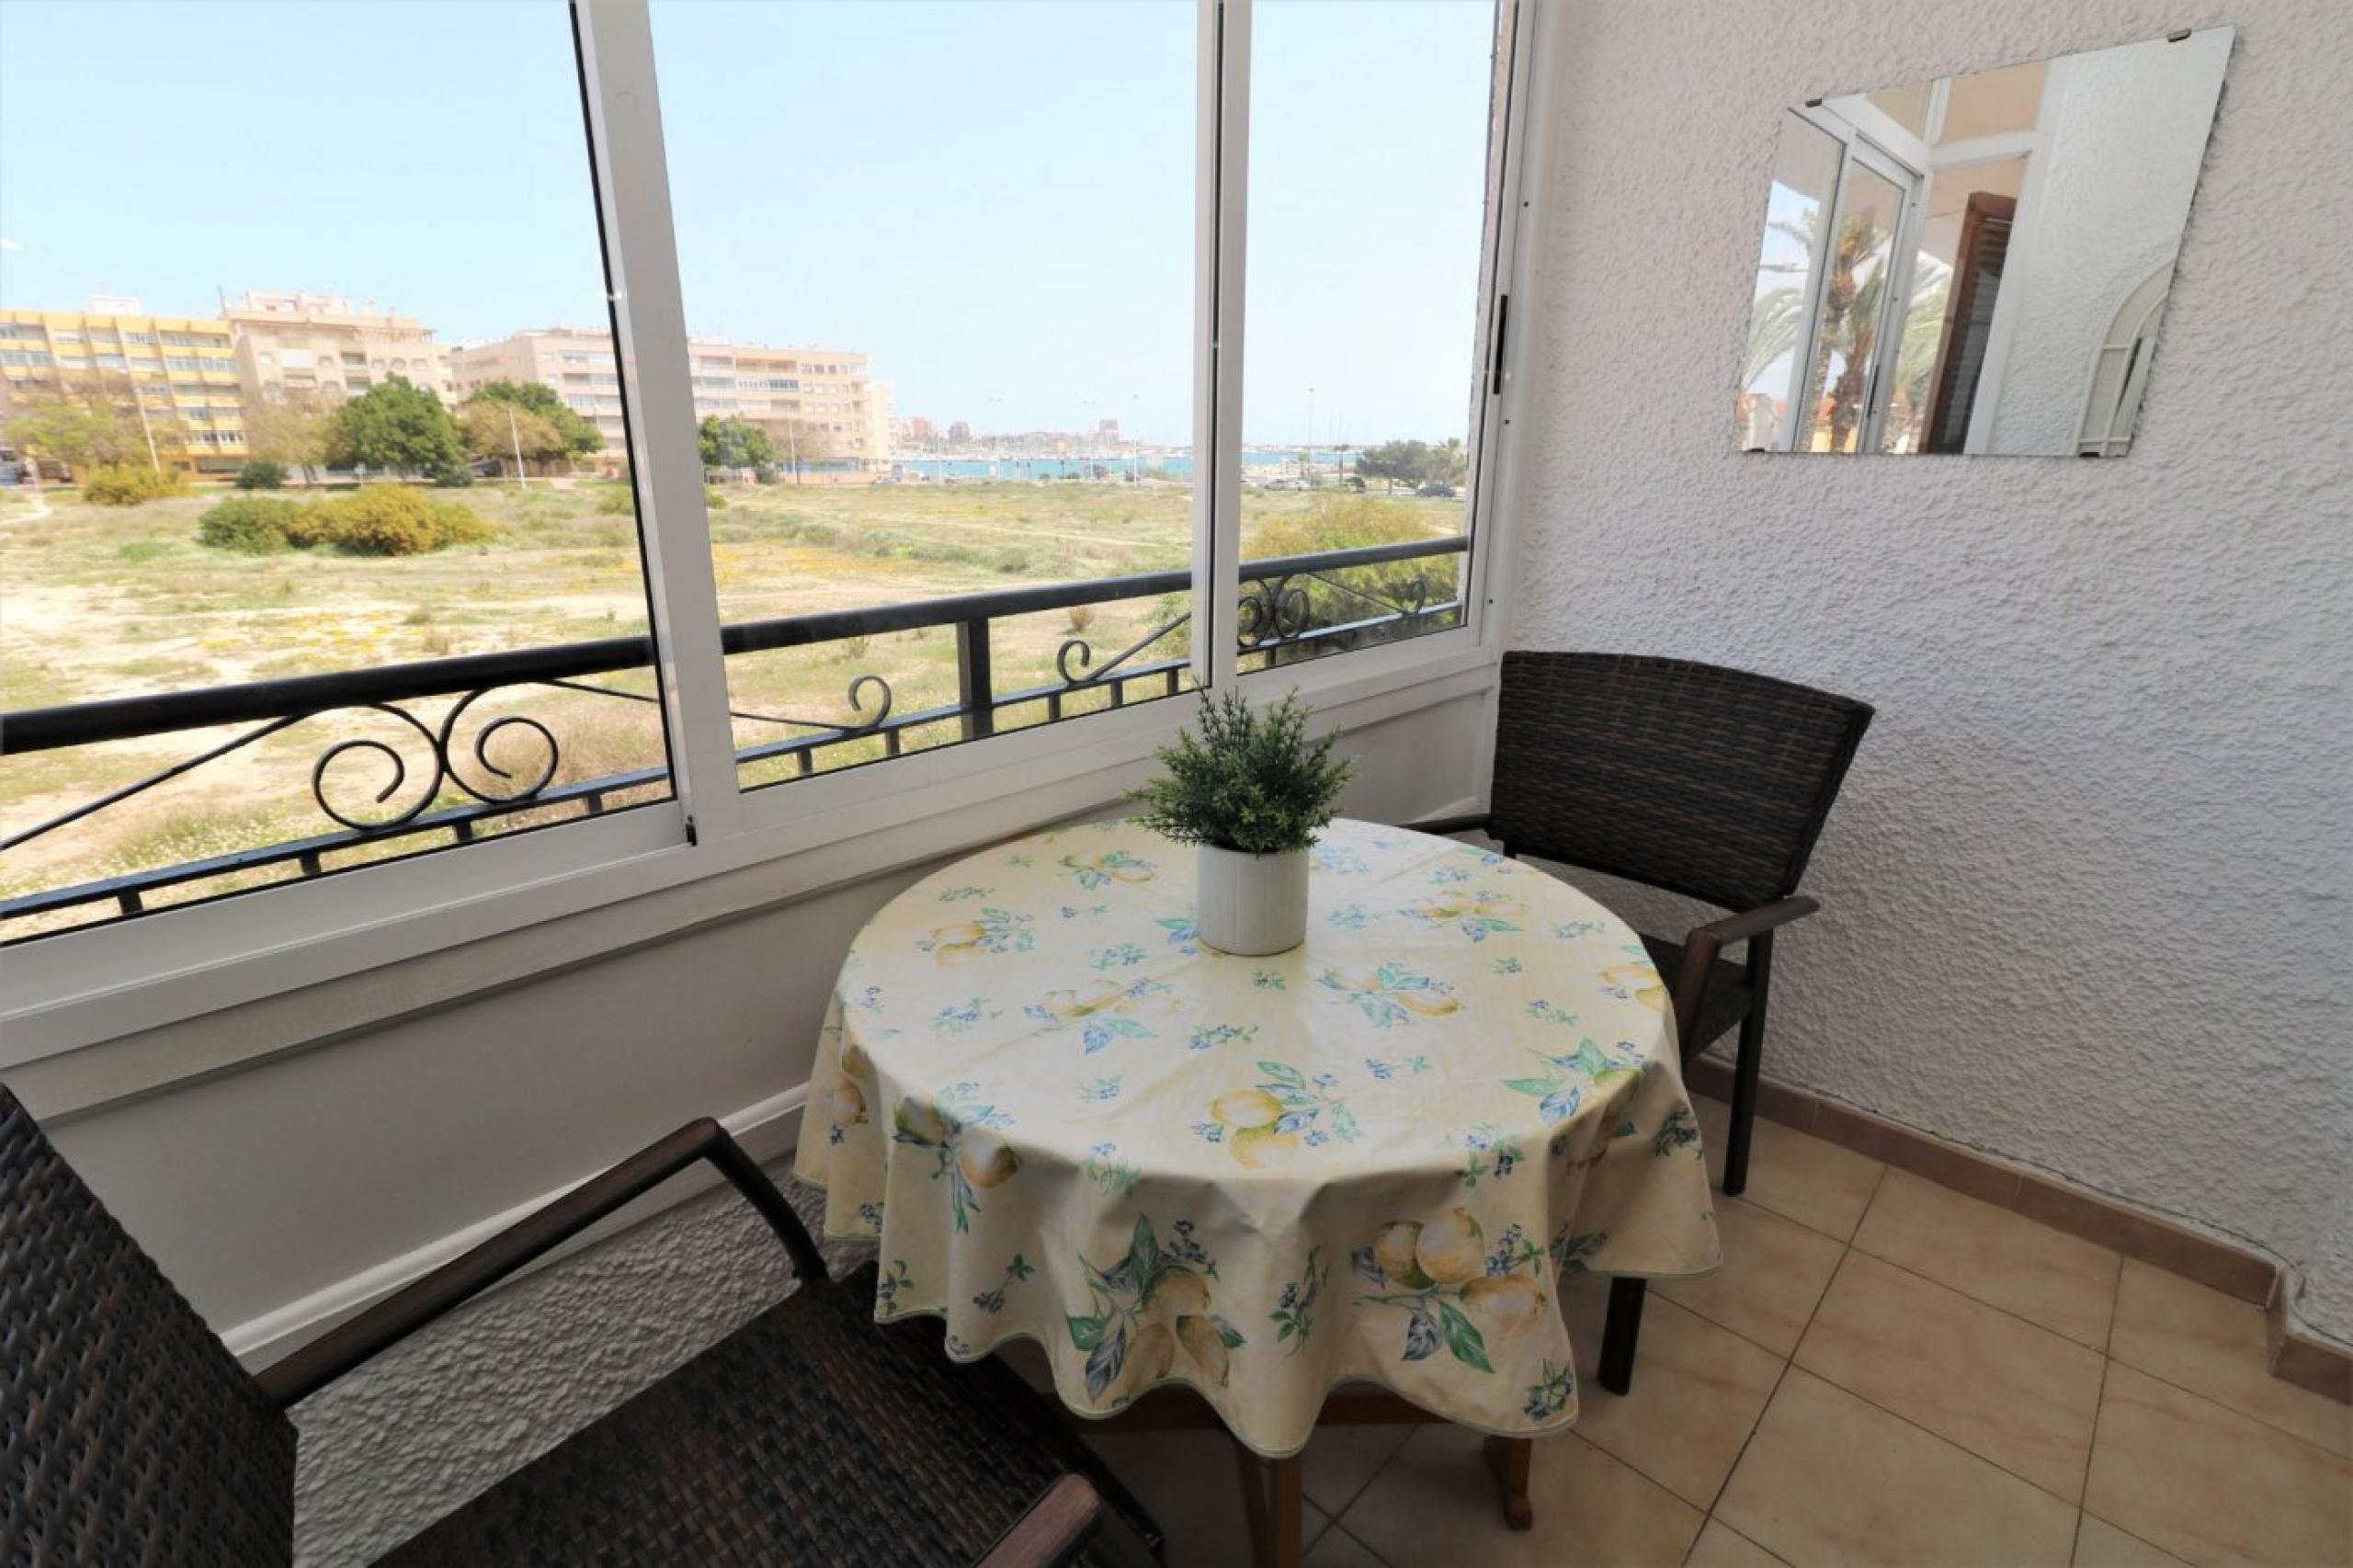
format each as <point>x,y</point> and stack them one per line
<point>1509,1458</point>
<point>1254,1499</point>
<point>1271,1501</point>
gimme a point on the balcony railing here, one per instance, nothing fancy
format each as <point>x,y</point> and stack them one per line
<point>1290,608</point>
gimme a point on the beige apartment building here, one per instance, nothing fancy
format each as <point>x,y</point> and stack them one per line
<point>322,345</point>
<point>179,375</point>
<point>793,392</point>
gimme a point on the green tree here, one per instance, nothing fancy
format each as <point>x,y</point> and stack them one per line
<point>396,425</point>
<point>1396,462</point>
<point>577,434</point>
<point>736,443</point>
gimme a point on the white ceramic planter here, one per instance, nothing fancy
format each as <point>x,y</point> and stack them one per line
<point>1251,904</point>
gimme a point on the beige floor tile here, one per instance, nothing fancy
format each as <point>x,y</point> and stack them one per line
<point>2213,1345</point>
<point>2211,1485</point>
<point>2099,1544</point>
<point>1337,1549</point>
<point>1721,1546</point>
<point>1830,1479</point>
<point>1435,1504</point>
<point>1774,1273</point>
<point>2066,1285</point>
<point>1817,1184</point>
<point>2019,1395</point>
<point>1189,1482</point>
<point>1698,1391</point>
<point>1340,1460</point>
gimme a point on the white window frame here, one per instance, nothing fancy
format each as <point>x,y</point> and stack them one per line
<point>575,891</point>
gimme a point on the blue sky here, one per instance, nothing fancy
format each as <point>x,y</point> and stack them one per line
<point>993,197</point>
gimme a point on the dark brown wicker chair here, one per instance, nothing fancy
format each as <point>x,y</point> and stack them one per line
<point>1704,781</point>
<point>811,1435</point>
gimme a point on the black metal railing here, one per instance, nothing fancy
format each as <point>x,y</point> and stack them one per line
<point>1290,608</point>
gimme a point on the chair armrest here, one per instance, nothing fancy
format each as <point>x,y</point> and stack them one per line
<point>403,1314</point>
<point>1443,825</point>
<point>1758,921</point>
<point>1057,1526</point>
<point>1701,948</point>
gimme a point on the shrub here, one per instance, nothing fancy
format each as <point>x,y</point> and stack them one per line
<point>712,499</point>
<point>250,525</point>
<point>260,474</point>
<point>617,501</point>
<point>123,485</point>
<point>391,519</point>
<point>452,476</point>
<point>308,526</point>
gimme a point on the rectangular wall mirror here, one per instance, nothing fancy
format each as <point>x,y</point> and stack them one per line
<point>1976,263</point>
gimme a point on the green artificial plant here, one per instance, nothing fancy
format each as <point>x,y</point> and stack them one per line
<point>1251,781</point>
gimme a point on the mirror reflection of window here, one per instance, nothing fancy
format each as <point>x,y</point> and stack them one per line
<point>1805,172</point>
<point>1854,296</point>
<point>1976,263</point>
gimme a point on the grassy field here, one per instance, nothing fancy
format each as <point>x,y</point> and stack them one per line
<point>102,602</point>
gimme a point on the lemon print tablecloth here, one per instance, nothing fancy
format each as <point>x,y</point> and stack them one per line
<point>1371,1157</point>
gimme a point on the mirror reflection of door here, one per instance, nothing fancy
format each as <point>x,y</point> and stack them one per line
<point>1976,279</point>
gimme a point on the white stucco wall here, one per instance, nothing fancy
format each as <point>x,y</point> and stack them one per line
<point>2087,888</point>
<point>2130,133</point>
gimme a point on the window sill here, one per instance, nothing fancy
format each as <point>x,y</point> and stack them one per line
<point>121,1010</point>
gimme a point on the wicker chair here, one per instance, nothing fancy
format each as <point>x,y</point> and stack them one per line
<point>1704,781</point>
<point>810,1434</point>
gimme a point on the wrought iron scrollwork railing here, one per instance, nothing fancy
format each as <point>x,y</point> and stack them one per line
<point>1289,608</point>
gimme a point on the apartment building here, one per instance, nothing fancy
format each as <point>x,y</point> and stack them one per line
<point>791,391</point>
<point>324,345</point>
<point>178,374</point>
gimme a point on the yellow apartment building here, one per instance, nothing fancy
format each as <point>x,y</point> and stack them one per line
<point>176,373</point>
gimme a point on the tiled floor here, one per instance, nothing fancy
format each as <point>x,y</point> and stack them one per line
<point>1883,1371</point>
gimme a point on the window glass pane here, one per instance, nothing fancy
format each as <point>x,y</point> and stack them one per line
<point>1805,176</point>
<point>1908,106</point>
<point>1862,238</point>
<point>941,290</point>
<point>252,296</point>
<point>1368,176</point>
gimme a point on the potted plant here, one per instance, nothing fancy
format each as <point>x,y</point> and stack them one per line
<point>1250,791</point>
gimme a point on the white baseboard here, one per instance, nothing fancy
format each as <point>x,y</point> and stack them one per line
<point>768,1129</point>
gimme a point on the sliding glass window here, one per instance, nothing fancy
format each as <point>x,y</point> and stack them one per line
<point>1373,135</point>
<point>972,365</point>
<point>317,547</point>
<point>937,265</point>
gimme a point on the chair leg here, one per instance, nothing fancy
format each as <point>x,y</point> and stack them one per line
<point>1509,1458</point>
<point>1619,1332</point>
<point>1748,1065</point>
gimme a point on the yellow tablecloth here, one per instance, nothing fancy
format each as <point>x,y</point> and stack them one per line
<point>1367,1158</point>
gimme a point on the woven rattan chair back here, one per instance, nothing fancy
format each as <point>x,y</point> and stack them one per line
<point>130,1433</point>
<point>1699,779</point>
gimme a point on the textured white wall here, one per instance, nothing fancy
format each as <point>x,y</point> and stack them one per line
<point>2123,161</point>
<point>2087,888</point>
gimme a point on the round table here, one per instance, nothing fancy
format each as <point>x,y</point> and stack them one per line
<point>1368,1158</point>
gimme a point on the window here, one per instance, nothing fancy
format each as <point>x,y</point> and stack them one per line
<point>1032,316</point>
<point>287,733</point>
<point>1097,501</point>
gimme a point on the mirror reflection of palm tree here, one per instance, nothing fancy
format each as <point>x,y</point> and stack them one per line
<point>1851,297</point>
